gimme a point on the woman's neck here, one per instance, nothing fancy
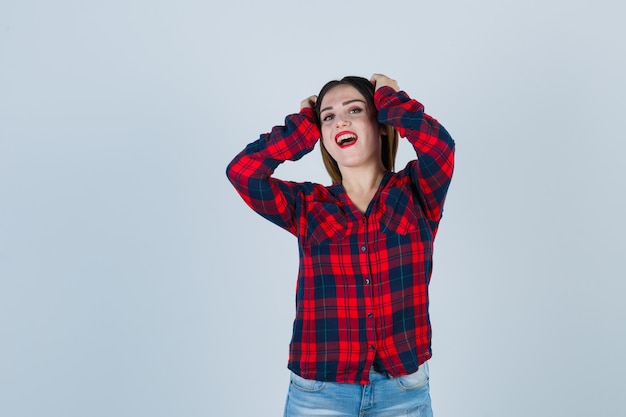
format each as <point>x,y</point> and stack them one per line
<point>361,185</point>
<point>363,182</point>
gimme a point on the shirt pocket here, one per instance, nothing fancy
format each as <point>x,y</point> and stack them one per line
<point>399,212</point>
<point>326,223</point>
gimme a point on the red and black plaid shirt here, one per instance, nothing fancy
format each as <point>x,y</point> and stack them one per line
<point>362,290</point>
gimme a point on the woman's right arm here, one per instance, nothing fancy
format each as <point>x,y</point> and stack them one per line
<point>251,170</point>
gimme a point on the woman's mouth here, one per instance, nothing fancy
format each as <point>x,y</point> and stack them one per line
<point>345,139</point>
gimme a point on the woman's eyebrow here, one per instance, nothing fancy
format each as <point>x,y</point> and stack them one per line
<point>345,103</point>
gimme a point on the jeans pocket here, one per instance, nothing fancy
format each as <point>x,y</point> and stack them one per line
<point>308,385</point>
<point>416,380</point>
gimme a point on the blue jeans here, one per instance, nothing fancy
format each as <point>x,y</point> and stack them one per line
<point>406,396</point>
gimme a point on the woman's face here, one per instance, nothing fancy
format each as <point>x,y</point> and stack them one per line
<point>350,130</point>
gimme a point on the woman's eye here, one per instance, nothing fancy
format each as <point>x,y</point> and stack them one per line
<point>328,118</point>
<point>355,110</point>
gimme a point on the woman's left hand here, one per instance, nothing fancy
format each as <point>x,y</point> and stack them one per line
<point>380,80</point>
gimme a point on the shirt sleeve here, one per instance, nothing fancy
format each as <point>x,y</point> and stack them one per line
<point>432,171</point>
<point>251,170</point>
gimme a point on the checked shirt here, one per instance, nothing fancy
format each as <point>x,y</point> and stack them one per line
<point>362,289</point>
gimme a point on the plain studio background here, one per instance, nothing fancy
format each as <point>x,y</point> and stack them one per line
<point>135,282</point>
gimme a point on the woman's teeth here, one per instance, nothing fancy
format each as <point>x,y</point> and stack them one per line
<point>345,139</point>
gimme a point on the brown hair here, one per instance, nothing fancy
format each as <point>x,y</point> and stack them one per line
<point>389,140</point>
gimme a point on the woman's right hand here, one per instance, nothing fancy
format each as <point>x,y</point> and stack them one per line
<point>308,102</point>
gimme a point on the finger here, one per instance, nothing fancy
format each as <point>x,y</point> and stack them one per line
<point>308,102</point>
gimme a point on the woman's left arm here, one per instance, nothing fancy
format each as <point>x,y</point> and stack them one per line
<point>432,172</point>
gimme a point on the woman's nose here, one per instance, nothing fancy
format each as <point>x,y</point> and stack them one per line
<point>341,122</point>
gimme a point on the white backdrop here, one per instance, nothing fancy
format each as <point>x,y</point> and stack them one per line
<point>135,282</point>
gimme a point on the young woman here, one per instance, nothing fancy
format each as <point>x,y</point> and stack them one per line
<point>361,336</point>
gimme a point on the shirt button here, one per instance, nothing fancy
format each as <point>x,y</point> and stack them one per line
<point>363,248</point>
<point>367,281</point>
<point>370,315</point>
<point>372,347</point>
